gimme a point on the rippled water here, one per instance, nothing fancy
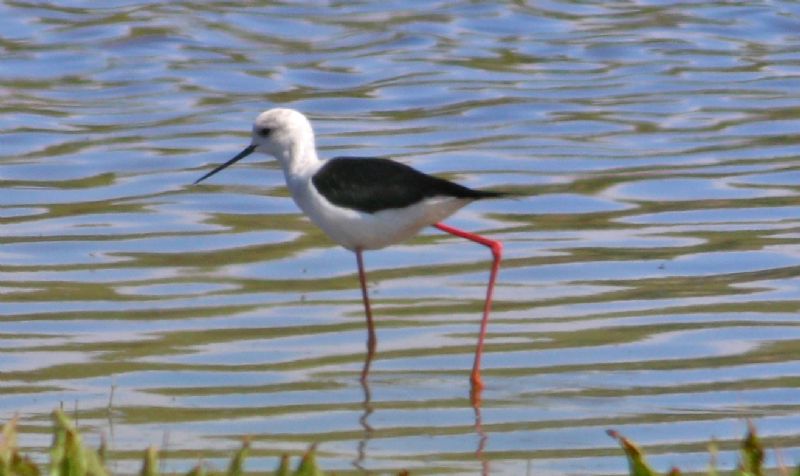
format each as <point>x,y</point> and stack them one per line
<point>652,263</point>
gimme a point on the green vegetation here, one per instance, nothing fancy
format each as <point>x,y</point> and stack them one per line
<point>751,458</point>
<point>69,457</point>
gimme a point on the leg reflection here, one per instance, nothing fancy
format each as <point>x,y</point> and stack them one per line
<point>364,419</point>
<point>483,438</point>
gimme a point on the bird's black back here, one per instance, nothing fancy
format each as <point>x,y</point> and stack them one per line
<point>374,184</point>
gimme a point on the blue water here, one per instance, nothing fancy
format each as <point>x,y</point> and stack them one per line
<point>651,269</point>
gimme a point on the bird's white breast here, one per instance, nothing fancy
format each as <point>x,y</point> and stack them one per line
<point>354,229</point>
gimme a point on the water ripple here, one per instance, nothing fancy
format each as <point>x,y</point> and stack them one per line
<point>651,274</point>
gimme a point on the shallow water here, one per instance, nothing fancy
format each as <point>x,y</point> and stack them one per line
<point>652,264</point>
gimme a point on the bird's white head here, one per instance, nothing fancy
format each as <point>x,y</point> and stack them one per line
<point>284,134</point>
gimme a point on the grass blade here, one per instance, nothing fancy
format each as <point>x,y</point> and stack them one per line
<point>637,465</point>
<point>752,453</point>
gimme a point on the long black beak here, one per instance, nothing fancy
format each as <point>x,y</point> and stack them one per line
<point>241,155</point>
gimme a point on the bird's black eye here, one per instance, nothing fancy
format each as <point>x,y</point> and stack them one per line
<point>263,131</point>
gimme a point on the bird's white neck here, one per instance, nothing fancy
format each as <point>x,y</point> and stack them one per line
<point>299,160</point>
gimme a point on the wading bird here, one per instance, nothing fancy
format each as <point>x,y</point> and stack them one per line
<point>365,203</point>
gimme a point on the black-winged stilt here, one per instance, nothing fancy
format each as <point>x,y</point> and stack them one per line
<point>365,203</point>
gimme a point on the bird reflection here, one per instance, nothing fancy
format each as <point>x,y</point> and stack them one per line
<point>368,430</point>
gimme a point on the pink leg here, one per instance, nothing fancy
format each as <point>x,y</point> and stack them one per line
<point>497,254</point>
<point>372,341</point>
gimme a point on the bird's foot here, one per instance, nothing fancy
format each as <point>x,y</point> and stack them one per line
<point>475,390</point>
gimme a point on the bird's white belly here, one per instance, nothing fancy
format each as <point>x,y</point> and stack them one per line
<point>369,231</point>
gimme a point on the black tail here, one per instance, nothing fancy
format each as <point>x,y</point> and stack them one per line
<point>489,194</point>
<point>460,191</point>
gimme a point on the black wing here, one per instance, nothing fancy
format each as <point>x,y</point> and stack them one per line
<point>371,184</point>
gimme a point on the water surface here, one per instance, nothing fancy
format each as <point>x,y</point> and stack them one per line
<point>652,264</point>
